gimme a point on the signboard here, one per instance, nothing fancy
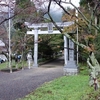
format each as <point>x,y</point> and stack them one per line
<point>50,28</point>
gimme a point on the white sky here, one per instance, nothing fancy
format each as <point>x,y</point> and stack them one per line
<point>5,4</point>
<point>75,2</point>
<point>44,3</point>
<point>58,9</point>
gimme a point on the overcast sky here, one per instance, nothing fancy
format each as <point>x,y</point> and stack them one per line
<point>5,4</point>
<point>56,11</point>
<point>44,3</point>
<point>75,2</point>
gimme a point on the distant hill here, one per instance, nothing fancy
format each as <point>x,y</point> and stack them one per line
<point>56,15</point>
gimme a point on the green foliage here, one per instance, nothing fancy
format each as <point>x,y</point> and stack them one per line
<point>21,64</point>
<point>83,69</point>
<point>97,46</point>
<point>93,95</point>
<point>5,64</point>
<point>27,11</point>
<point>19,25</point>
<point>44,48</point>
<point>83,2</point>
<point>83,55</point>
<point>57,42</point>
<point>49,44</point>
<point>22,3</point>
<point>94,4</point>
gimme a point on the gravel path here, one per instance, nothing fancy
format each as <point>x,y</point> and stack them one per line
<point>20,83</point>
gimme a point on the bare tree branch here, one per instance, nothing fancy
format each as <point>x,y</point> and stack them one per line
<point>52,18</point>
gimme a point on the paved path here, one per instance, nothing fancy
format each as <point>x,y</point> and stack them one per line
<point>20,83</point>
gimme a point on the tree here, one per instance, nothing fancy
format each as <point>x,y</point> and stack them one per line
<point>49,45</point>
<point>95,3</point>
<point>23,10</point>
<point>89,31</point>
<point>19,41</point>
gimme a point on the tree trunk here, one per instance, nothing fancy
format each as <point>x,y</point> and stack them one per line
<point>95,69</point>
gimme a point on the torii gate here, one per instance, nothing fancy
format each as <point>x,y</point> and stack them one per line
<point>69,62</point>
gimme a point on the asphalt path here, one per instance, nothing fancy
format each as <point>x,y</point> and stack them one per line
<point>20,83</point>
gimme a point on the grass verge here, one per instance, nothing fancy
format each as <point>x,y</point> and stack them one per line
<point>64,88</point>
<point>19,65</point>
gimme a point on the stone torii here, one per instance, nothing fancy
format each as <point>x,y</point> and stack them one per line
<point>68,55</point>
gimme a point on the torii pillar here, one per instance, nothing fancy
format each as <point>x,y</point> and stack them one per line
<point>70,67</point>
<point>35,47</point>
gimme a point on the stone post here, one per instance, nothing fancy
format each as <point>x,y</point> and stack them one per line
<point>29,59</point>
<point>71,67</point>
<point>35,47</point>
<point>65,51</point>
<point>71,51</point>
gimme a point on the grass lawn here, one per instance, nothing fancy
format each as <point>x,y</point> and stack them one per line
<point>19,64</point>
<point>66,88</point>
<point>3,65</point>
